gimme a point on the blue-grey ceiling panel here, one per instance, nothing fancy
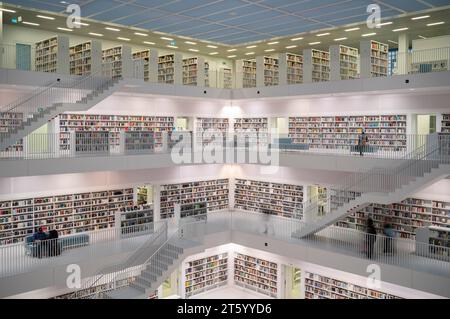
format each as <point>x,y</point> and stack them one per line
<point>201,29</point>
<point>272,22</point>
<point>300,29</point>
<point>180,6</point>
<point>285,26</point>
<point>55,7</point>
<point>184,25</point>
<point>231,14</point>
<point>407,5</point>
<point>152,3</point>
<point>144,16</point>
<point>119,12</point>
<point>215,7</point>
<point>259,16</point>
<point>97,6</point>
<point>439,3</point>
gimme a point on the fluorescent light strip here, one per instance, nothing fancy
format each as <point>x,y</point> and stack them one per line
<point>141,34</point>
<point>313,43</point>
<point>96,34</point>
<point>31,23</point>
<point>421,36</point>
<point>81,23</point>
<point>112,29</point>
<point>384,23</point>
<point>211,46</point>
<point>193,50</point>
<point>7,10</point>
<point>368,34</point>
<point>340,39</point>
<point>214,53</point>
<point>291,46</point>
<point>400,29</point>
<point>351,29</point>
<point>45,17</point>
<point>420,18</point>
<point>231,56</point>
<point>251,46</point>
<point>297,39</point>
<point>123,39</point>
<point>322,34</point>
<point>272,43</point>
<point>250,53</point>
<point>190,42</point>
<point>232,50</point>
<point>392,41</point>
<point>269,50</point>
<point>172,46</point>
<point>166,38</point>
<point>151,43</point>
<point>435,23</point>
<point>64,29</point>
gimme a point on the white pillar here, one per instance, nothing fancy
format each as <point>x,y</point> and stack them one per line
<point>402,59</point>
<point>335,62</point>
<point>307,66</point>
<point>178,69</point>
<point>259,71</point>
<point>282,69</point>
<point>365,59</point>
<point>153,66</point>
<point>156,203</point>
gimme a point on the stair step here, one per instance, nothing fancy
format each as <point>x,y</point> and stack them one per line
<point>144,281</point>
<point>149,276</point>
<point>138,286</point>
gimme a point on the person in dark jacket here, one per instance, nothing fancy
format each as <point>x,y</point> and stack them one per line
<point>40,234</point>
<point>371,236</point>
<point>388,232</point>
<point>362,142</point>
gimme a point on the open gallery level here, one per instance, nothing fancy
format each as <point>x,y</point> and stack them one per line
<point>225,149</point>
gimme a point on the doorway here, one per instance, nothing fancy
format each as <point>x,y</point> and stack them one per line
<point>23,56</point>
<point>319,193</point>
<point>181,124</point>
<point>144,195</point>
<point>426,124</point>
<point>292,282</point>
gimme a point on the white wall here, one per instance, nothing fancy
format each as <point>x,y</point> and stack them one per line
<point>438,191</point>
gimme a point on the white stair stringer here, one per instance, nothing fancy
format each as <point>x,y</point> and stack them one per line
<point>32,124</point>
<point>166,261</point>
<point>417,184</point>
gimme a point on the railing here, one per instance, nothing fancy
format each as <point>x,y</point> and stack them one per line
<point>416,61</point>
<point>21,257</point>
<point>69,144</point>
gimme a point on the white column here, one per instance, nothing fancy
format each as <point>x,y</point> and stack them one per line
<point>238,74</point>
<point>365,59</point>
<point>259,71</point>
<point>402,58</point>
<point>307,66</point>
<point>200,72</point>
<point>153,66</point>
<point>156,203</point>
<point>63,56</point>
<point>178,69</point>
<point>96,57</point>
<point>1,38</point>
<point>335,62</point>
<point>127,62</point>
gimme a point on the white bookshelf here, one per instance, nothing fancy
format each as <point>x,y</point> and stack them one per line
<point>445,124</point>
<point>52,55</point>
<point>88,142</point>
<point>114,124</point>
<point>86,58</point>
<point>9,121</point>
<point>195,72</point>
<point>68,214</point>
<point>213,125</point>
<point>267,71</point>
<point>205,274</point>
<point>117,61</point>
<point>344,62</point>
<point>294,68</point>
<point>145,57</point>
<point>214,192</point>
<point>256,274</point>
<point>246,73</point>
<point>374,59</point>
<point>323,287</point>
<point>316,65</point>
<point>284,200</point>
<point>227,78</point>
<point>387,132</point>
<point>170,69</point>
<point>405,217</point>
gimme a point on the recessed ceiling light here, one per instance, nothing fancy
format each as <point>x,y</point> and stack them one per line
<point>250,53</point>
<point>400,29</point>
<point>141,34</point>
<point>190,42</point>
<point>313,43</point>
<point>7,10</point>
<point>231,50</point>
<point>351,29</point>
<point>420,17</point>
<point>291,46</point>
<point>31,23</point>
<point>297,39</point>
<point>151,43</point>
<point>368,34</point>
<point>166,38</point>
<point>384,23</point>
<point>214,53</point>
<point>231,56</point>
<point>211,46</point>
<point>123,39</point>
<point>421,36</point>
<point>435,23</point>
<point>322,34</point>
<point>112,29</point>
<point>45,17</point>
<point>65,29</point>
<point>81,23</point>
<point>272,43</point>
<point>172,46</point>
<point>269,50</point>
<point>251,46</point>
<point>340,39</point>
<point>193,50</point>
<point>96,34</point>
<point>392,41</point>
<point>158,32</point>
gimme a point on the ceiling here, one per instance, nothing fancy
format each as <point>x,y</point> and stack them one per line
<point>232,22</point>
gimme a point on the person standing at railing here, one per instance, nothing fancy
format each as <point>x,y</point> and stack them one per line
<point>371,236</point>
<point>38,237</point>
<point>388,231</point>
<point>362,142</point>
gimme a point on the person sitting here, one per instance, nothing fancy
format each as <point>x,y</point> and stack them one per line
<point>39,234</point>
<point>38,238</point>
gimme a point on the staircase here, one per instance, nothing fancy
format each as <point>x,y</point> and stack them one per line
<point>419,169</point>
<point>46,103</point>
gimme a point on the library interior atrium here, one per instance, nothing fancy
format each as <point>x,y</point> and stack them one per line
<point>227,149</point>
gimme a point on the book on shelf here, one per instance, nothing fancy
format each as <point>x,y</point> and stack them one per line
<point>294,68</point>
<point>52,55</point>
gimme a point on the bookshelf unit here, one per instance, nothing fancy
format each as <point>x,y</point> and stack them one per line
<point>68,214</point>
<point>445,124</point>
<point>170,69</point>
<point>193,210</point>
<point>227,78</point>
<point>270,198</point>
<point>387,132</point>
<point>374,59</point>
<point>344,62</point>
<point>118,61</point>
<point>213,192</point>
<point>247,70</point>
<point>10,121</point>
<point>323,287</point>
<point>52,55</point>
<point>136,218</point>
<point>114,124</point>
<point>256,274</point>
<point>258,125</point>
<point>270,75</point>
<point>194,74</point>
<point>145,57</point>
<point>213,125</point>
<point>405,217</point>
<point>294,68</point>
<point>205,274</point>
<point>90,142</point>
<point>86,58</point>
<point>316,65</point>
